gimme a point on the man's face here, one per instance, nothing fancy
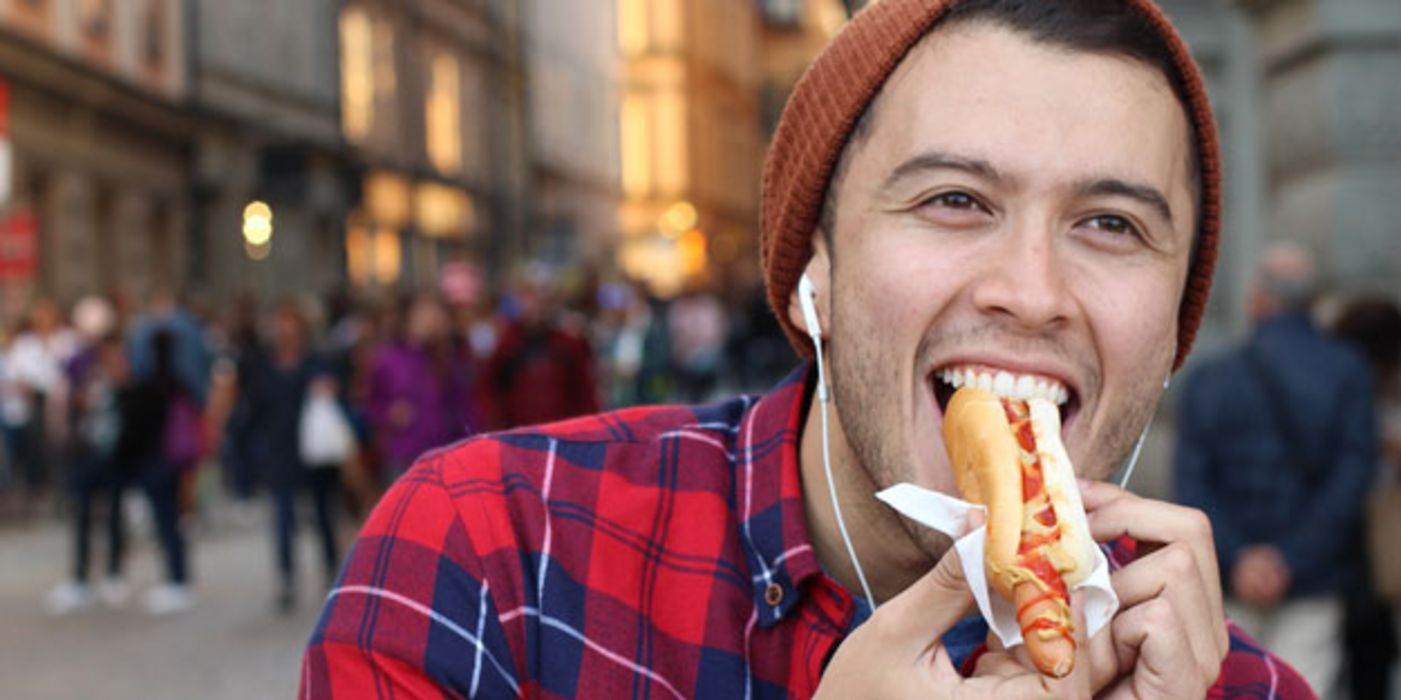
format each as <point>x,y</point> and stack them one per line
<point>1014,208</point>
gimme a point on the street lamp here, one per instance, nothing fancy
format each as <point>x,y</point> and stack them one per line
<point>257,230</point>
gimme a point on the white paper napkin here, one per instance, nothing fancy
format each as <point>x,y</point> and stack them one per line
<point>949,515</point>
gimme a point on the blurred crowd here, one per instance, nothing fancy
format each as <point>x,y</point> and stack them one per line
<point>320,403</point>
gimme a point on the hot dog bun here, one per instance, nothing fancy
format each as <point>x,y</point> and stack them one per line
<point>1038,544</point>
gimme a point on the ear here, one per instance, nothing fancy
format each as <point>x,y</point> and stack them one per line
<point>819,270</point>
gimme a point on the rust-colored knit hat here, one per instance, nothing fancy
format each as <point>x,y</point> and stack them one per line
<point>834,92</point>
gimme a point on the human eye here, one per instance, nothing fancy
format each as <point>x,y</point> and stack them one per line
<point>1115,229</point>
<point>957,200</point>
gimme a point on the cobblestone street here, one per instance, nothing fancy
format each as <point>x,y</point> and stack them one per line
<point>232,645</point>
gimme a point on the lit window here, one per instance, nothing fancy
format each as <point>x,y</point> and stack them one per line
<point>654,148</point>
<point>636,145</point>
<point>632,26</point>
<point>645,25</point>
<point>357,77</point>
<point>444,114</point>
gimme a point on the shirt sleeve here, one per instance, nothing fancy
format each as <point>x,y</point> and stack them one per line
<point>1314,539</point>
<point>412,614</point>
<point>1195,466</point>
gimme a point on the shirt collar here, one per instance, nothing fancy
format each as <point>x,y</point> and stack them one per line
<point>769,497</point>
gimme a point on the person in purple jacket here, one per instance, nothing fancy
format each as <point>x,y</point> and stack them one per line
<point>420,393</point>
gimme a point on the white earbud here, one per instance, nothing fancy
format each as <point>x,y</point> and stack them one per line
<point>807,299</point>
<point>1167,381</point>
<point>807,295</point>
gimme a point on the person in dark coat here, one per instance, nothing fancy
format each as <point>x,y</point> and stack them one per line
<point>275,393</point>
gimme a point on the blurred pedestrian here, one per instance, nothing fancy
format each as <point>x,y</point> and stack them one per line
<point>274,394</point>
<point>1373,326</point>
<point>161,433</point>
<point>191,356</point>
<point>420,392</point>
<point>242,349</point>
<point>94,376</point>
<point>1277,446</point>
<point>698,327</point>
<point>758,354</point>
<point>540,371</point>
<point>34,378</point>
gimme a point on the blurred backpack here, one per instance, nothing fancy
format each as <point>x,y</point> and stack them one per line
<point>183,439</point>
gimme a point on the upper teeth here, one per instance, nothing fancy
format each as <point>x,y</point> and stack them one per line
<point>1007,385</point>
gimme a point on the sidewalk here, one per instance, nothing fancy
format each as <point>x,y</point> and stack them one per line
<point>232,645</point>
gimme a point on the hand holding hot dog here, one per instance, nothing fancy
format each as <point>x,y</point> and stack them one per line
<point>898,654</point>
<point>1169,637</point>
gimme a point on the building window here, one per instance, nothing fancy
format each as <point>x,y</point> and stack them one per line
<point>153,41</point>
<point>357,74</point>
<point>95,17</point>
<point>443,113</point>
<point>654,149</point>
<point>648,25</point>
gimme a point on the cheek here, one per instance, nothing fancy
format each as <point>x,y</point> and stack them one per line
<point>1135,326</point>
<point>892,283</point>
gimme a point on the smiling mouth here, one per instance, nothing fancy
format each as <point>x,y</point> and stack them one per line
<point>1004,384</point>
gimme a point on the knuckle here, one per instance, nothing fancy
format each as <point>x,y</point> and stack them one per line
<point>1199,524</point>
<point>1179,563</point>
<point>1159,615</point>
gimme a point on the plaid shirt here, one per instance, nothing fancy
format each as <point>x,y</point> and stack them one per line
<point>657,552</point>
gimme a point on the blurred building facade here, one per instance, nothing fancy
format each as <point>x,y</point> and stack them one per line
<point>263,87</point>
<point>1330,96</point>
<point>691,140</point>
<point>432,104</point>
<point>574,97</point>
<point>98,147</point>
<point>388,137</point>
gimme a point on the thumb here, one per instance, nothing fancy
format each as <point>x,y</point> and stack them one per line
<point>931,605</point>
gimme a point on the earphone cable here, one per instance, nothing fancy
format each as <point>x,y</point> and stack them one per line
<point>831,485</point>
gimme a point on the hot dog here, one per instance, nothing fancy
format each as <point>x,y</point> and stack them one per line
<point>1007,455</point>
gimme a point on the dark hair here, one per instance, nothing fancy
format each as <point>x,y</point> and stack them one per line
<point>163,356</point>
<point>1111,27</point>
<point>1373,325</point>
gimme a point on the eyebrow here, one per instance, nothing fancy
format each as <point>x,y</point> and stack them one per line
<point>1115,187</point>
<point>936,160</point>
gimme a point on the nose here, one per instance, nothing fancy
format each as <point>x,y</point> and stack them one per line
<point>1024,282</point>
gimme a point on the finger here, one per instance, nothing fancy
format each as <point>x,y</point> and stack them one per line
<point>1096,494</point>
<point>1104,661</point>
<point>1155,521</point>
<point>1171,573</point>
<point>1000,663</point>
<point>1153,636</point>
<point>931,605</point>
<point>1079,683</point>
<point>1024,684</point>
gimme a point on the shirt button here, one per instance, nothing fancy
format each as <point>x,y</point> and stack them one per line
<point>773,594</point>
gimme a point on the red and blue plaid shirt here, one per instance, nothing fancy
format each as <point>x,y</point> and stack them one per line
<point>658,552</point>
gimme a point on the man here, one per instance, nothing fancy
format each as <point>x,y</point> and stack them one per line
<point>541,370</point>
<point>1278,446</point>
<point>1002,186</point>
<point>168,314</point>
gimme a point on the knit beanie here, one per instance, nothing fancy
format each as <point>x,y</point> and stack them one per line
<point>843,80</point>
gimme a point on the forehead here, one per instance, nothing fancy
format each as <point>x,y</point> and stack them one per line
<point>1035,111</point>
